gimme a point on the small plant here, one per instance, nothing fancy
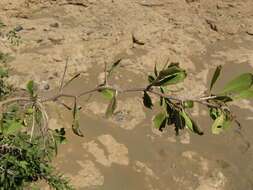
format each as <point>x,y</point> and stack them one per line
<point>5,89</point>
<point>13,37</point>
<point>27,146</point>
<point>23,160</point>
<point>5,57</point>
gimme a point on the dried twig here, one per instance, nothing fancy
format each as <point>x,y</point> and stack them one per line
<point>33,124</point>
<point>105,72</point>
<point>63,76</point>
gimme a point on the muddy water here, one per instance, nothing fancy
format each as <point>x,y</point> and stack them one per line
<point>115,156</point>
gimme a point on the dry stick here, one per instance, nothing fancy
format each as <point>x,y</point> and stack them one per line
<point>44,116</point>
<point>63,104</point>
<point>202,100</point>
<point>152,5</point>
<point>33,124</point>
<point>63,76</point>
<point>105,72</point>
<point>18,99</point>
<point>74,77</point>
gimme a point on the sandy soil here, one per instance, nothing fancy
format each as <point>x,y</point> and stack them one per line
<point>125,152</point>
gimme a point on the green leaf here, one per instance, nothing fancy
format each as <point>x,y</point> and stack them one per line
<point>170,70</point>
<point>218,124</point>
<point>188,121</point>
<point>150,78</point>
<point>169,76</point>
<point>147,100</point>
<point>224,99</point>
<point>108,93</point>
<point>59,136</point>
<point>23,164</point>
<point>31,88</point>
<point>190,124</point>
<point>240,83</point>
<point>12,127</point>
<point>215,76</point>
<point>188,104</point>
<point>3,72</point>
<point>159,120</point>
<point>214,113</point>
<point>76,128</point>
<point>178,121</point>
<point>246,94</point>
<point>111,107</point>
<point>155,71</point>
<point>226,124</point>
<point>174,79</point>
<point>75,123</point>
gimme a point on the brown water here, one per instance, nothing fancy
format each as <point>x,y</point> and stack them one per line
<point>153,160</point>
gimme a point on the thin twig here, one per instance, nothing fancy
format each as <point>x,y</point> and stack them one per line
<point>63,76</point>
<point>65,105</point>
<point>202,100</point>
<point>208,98</point>
<point>44,116</point>
<point>33,124</point>
<point>105,72</point>
<point>164,95</point>
<point>12,100</point>
<point>73,78</point>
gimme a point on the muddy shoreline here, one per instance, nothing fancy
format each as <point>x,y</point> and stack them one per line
<point>125,152</point>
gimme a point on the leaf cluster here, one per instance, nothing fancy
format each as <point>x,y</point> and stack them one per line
<point>175,111</point>
<point>26,155</point>
<point>23,162</point>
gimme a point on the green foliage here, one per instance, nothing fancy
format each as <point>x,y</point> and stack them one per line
<point>160,120</point>
<point>239,84</point>
<point>107,93</point>
<point>188,104</point>
<point>3,73</point>
<point>215,76</point>
<point>110,95</point>
<point>5,89</point>
<point>175,110</point>
<point>26,153</point>
<point>147,100</point>
<point>245,94</point>
<point>173,74</point>
<point>32,88</point>
<point>24,160</point>
<point>188,121</point>
<point>111,107</point>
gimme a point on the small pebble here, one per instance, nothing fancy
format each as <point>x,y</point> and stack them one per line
<point>55,25</point>
<point>18,28</point>
<point>46,87</point>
